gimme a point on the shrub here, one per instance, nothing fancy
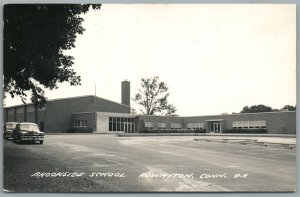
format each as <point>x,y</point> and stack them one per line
<point>173,131</point>
<point>71,130</point>
<point>245,131</point>
<point>80,130</point>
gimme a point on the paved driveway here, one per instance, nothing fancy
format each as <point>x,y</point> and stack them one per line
<point>97,163</point>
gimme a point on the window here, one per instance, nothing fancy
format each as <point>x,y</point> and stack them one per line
<point>110,124</point>
<point>84,123</point>
<point>235,124</point>
<point>245,124</point>
<point>176,126</point>
<point>29,108</point>
<point>121,124</point>
<point>240,124</point>
<point>262,124</point>
<point>80,123</point>
<point>149,125</point>
<point>76,123</point>
<point>118,124</point>
<point>11,111</point>
<point>162,125</point>
<point>249,124</point>
<point>195,126</point>
<point>189,125</point>
<point>20,110</point>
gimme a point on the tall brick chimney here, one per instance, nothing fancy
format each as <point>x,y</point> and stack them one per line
<point>125,93</point>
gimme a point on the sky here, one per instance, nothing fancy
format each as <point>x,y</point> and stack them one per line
<point>214,58</point>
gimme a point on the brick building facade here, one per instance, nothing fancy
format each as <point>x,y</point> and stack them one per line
<point>56,116</point>
<point>94,114</point>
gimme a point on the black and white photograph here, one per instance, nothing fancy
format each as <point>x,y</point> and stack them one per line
<point>149,98</point>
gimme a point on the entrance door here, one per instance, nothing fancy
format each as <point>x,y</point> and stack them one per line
<point>215,127</point>
<point>125,126</point>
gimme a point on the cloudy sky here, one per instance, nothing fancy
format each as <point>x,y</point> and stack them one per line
<point>214,58</point>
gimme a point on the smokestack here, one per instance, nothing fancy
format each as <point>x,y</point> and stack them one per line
<point>126,92</point>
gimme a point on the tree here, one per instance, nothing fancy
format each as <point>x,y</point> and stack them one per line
<point>35,37</point>
<point>256,108</point>
<point>153,97</point>
<point>245,109</point>
<point>132,111</point>
<point>288,108</point>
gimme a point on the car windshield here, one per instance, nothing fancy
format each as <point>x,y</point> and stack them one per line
<point>29,127</point>
<point>10,125</point>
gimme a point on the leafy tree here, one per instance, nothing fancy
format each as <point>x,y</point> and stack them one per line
<point>132,111</point>
<point>245,109</point>
<point>288,108</point>
<point>256,108</point>
<point>153,97</point>
<point>35,36</point>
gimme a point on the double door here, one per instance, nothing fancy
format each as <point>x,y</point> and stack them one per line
<point>215,127</point>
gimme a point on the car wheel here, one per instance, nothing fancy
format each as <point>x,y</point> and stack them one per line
<point>41,141</point>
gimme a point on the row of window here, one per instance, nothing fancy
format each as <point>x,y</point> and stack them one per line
<point>195,125</point>
<point>127,124</point>
<point>121,124</point>
<point>249,124</point>
<point>20,110</point>
<point>120,119</point>
<point>163,125</point>
<point>235,124</point>
<point>80,123</point>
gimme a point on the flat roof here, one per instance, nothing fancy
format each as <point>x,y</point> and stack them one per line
<point>106,113</point>
<point>237,114</point>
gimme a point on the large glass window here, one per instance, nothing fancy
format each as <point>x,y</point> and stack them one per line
<point>114,123</point>
<point>121,124</point>
<point>118,124</point>
<point>110,125</point>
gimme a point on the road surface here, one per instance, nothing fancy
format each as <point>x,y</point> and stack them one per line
<point>106,163</point>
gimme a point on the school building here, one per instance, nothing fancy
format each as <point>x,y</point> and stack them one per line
<point>92,114</point>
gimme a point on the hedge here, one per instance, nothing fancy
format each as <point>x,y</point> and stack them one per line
<point>245,131</point>
<point>80,130</point>
<point>173,131</point>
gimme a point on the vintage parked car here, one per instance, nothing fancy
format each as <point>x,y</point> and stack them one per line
<point>8,129</point>
<point>27,131</point>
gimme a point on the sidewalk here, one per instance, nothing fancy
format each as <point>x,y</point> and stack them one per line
<point>205,134</point>
<point>264,141</point>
